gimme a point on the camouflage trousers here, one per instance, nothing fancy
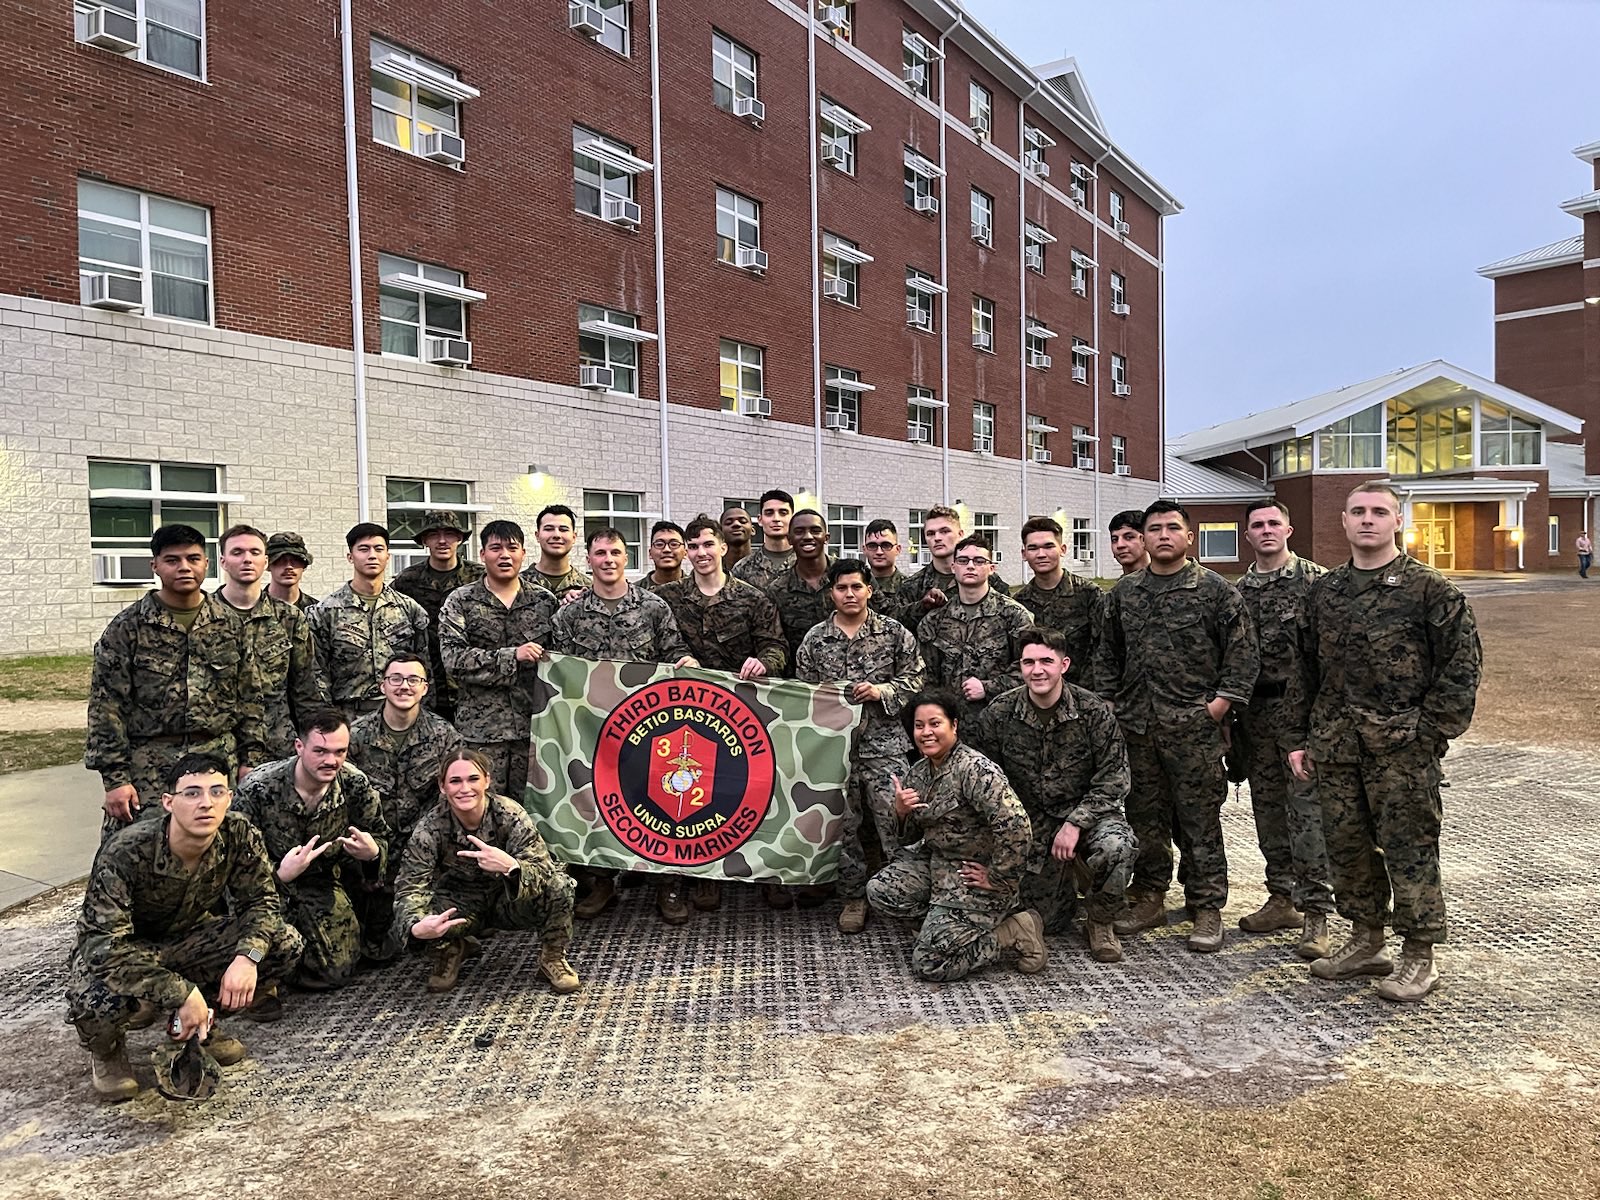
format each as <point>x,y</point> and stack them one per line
<point>373,902</point>
<point>328,918</point>
<point>1288,819</point>
<point>546,911</point>
<point>1381,817</point>
<point>1100,869</point>
<point>1178,782</point>
<point>953,942</point>
<point>148,765</point>
<point>869,790</point>
<point>202,956</point>
<point>508,763</point>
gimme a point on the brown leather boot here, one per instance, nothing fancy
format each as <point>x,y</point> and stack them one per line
<point>1414,975</point>
<point>1277,913</point>
<point>854,917</point>
<point>1103,944</point>
<point>447,961</point>
<point>671,901</point>
<point>1146,910</point>
<point>707,895</point>
<point>1362,954</point>
<point>1207,935</point>
<point>113,1077</point>
<point>1314,942</point>
<point>553,965</point>
<point>225,1049</point>
<point>1023,933</point>
<point>602,891</point>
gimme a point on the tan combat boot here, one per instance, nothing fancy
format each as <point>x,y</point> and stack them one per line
<point>144,1016</point>
<point>672,902</point>
<point>1147,910</point>
<point>553,965</point>
<point>1103,944</point>
<point>1362,954</point>
<point>1414,976</point>
<point>447,961</point>
<point>225,1049</point>
<point>1207,935</point>
<point>1277,913</point>
<point>601,891</point>
<point>1023,933</point>
<point>854,917</point>
<point>1313,937</point>
<point>113,1077</point>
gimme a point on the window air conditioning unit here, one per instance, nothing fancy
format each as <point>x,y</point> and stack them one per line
<point>918,318</point>
<point>836,421</point>
<point>1119,309</point>
<point>1121,389</point>
<point>835,17</point>
<point>131,569</point>
<point>1123,469</point>
<point>111,30</point>
<point>1034,257</point>
<point>1120,226</point>
<point>833,155</point>
<point>982,340</point>
<point>1080,374</point>
<point>1083,462</point>
<point>586,19</point>
<point>915,75</point>
<point>441,147</point>
<point>1080,287</point>
<point>916,433</point>
<point>447,352</point>
<point>981,233</point>
<point>1040,168</point>
<point>1079,194</point>
<point>835,289</point>
<point>755,406</point>
<point>980,126</point>
<point>1041,456</point>
<point>597,379</point>
<point>1042,361</point>
<point>996,557</point>
<point>748,258</point>
<point>119,293</point>
<point>750,108</point>
<point>927,204</point>
<point>619,210</point>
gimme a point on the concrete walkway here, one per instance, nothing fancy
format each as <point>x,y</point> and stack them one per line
<point>49,830</point>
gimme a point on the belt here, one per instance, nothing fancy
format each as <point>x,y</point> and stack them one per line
<point>1270,691</point>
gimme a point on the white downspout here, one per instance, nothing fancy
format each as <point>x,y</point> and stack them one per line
<point>358,333</point>
<point>1100,443</point>
<point>1022,290</point>
<point>663,415</point>
<point>944,269</point>
<point>820,485</point>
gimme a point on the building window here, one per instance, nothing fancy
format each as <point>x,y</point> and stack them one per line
<point>1081,353</point>
<point>922,415</point>
<point>982,218</point>
<point>1509,440</point>
<point>1082,448</point>
<point>1219,541</point>
<point>600,168</point>
<point>1119,374</point>
<point>982,428</point>
<point>1038,444</point>
<point>1035,240</point>
<point>164,244</point>
<point>983,323</point>
<point>1289,458</point>
<point>838,127</point>
<point>620,511</point>
<point>1080,273</point>
<point>841,269</point>
<point>1119,294</point>
<point>1078,189</point>
<point>409,313</point>
<point>1119,450</point>
<point>743,374</point>
<point>1429,440</point>
<point>986,528</point>
<point>751,506</point>
<point>1038,337</point>
<point>413,96</point>
<point>617,352</point>
<point>917,56</point>
<point>841,400</point>
<point>980,108</point>
<point>919,177</point>
<point>614,35</point>
<point>1082,540</point>
<point>408,499</point>
<point>1554,544</point>
<point>171,33</point>
<point>839,16</point>
<point>1035,142</point>
<point>1115,202</point>
<point>733,71</point>
<point>129,501</point>
<point>1355,442</point>
<point>738,224</point>
<point>846,530</point>
<point>916,518</point>
<point>920,291</point>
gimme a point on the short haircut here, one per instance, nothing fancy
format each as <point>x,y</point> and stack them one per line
<point>776,494</point>
<point>555,510</point>
<point>660,525</point>
<point>1375,485</point>
<point>704,524</point>
<point>1256,505</point>
<point>321,720</point>
<point>1128,518</point>
<point>407,658</point>
<point>194,764</point>
<point>233,531</point>
<point>809,512</point>
<point>474,757</point>
<point>882,525</point>
<point>973,539</point>
<point>365,532</point>
<point>609,533</point>
<point>1166,506</point>
<point>1050,639</point>
<point>849,566</point>
<point>943,511</point>
<point>506,531</point>
<point>943,698</point>
<point>738,508</point>
<point>1041,525</point>
<point>170,536</point>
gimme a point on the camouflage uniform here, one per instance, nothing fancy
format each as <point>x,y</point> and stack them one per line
<point>800,606</point>
<point>152,930</point>
<point>158,691</point>
<point>886,593</point>
<point>355,640</point>
<point>723,630</point>
<point>1067,763</point>
<point>972,815</point>
<point>1074,609</point>
<point>433,878</point>
<point>882,652</point>
<point>1288,820</point>
<point>914,587</point>
<point>317,902</point>
<point>280,669</point>
<point>1393,675</point>
<point>1169,645</point>
<point>640,630</point>
<point>403,765</point>
<point>762,567</point>
<point>649,584</point>
<point>557,585</point>
<point>429,588</point>
<point>974,641</point>
<point>480,636</point>
<point>292,545</point>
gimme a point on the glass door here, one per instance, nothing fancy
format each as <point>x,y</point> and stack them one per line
<point>1436,535</point>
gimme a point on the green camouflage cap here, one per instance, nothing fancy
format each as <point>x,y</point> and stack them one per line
<point>439,518</point>
<point>280,545</point>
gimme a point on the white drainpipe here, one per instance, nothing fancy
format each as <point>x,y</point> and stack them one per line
<point>358,346</point>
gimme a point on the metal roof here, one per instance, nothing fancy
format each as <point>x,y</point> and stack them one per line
<point>1193,481</point>
<point>1565,461</point>
<point>1556,254</point>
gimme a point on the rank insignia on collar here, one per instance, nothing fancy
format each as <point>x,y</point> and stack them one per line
<point>1391,579</point>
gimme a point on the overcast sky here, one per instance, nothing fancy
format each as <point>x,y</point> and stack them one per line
<point>1345,166</point>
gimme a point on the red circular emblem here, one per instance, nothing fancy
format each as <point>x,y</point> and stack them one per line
<point>683,772</point>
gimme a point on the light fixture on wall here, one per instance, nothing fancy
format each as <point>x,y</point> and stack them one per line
<point>536,474</point>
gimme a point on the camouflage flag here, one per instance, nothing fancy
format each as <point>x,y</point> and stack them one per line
<point>688,772</point>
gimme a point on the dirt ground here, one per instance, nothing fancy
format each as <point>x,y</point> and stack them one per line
<point>1541,658</point>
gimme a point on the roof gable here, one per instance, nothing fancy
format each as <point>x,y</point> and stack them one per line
<point>1065,77</point>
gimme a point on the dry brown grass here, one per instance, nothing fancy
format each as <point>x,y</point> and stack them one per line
<point>1541,680</point>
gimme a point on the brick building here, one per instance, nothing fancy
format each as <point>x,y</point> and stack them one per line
<point>633,257</point>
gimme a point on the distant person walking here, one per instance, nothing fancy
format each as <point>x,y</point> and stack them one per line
<point>1585,554</point>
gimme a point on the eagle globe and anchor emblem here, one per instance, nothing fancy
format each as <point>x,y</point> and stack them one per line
<point>680,782</point>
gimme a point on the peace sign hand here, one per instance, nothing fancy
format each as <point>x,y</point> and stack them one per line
<point>436,925</point>
<point>490,858</point>
<point>295,862</point>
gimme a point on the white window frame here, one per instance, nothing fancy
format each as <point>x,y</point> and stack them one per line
<point>917,51</point>
<point>837,126</point>
<point>1082,444</point>
<point>1080,275</point>
<point>1035,239</point>
<point>1518,429</point>
<point>416,73</point>
<point>437,288</point>
<point>742,78</point>
<point>920,173</point>
<point>920,301</point>
<point>843,400</point>
<point>616,33</point>
<point>1119,369</point>
<point>144,227</point>
<point>1209,532</point>
<point>1038,439</point>
<point>980,109</point>
<point>1082,540</point>
<point>743,213</point>
<point>1117,207</point>
<point>842,260</point>
<point>1077,186</point>
<point>611,162</point>
<point>848,32</point>
<point>742,357</point>
<point>847,529</point>
<point>986,528</point>
<point>916,518</point>
<point>615,348</point>
<point>1293,457</point>
<point>1119,289</point>
<point>438,494</point>
<point>982,209</point>
<point>983,322</point>
<point>922,411</point>
<point>133,550</point>
<point>601,509</point>
<point>1340,440</point>
<point>1119,450</point>
<point>139,11</point>
<point>982,427</point>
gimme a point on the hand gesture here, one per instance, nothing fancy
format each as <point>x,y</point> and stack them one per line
<point>1218,708</point>
<point>238,985</point>
<point>122,802</point>
<point>1300,764</point>
<point>973,689</point>
<point>976,875</point>
<point>934,598</point>
<point>490,858</point>
<point>191,1018</point>
<point>906,800</point>
<point>295,862</point>
<point>753,668</point>
<point>571,594</point>
<point>529,652</point>
<point>1065,847</point>
<point>688,660</point>
<point>359,845</point>
<point>436,925</point>
<point>863,692</point>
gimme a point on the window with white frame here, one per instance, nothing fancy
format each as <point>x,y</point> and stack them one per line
<point>920,293</point>
<point>733,71</point>
<point>1289,458</point>
<point>1353,443</point>
<point>1509,440</point>
<point>983,323</point>
<point>171,33</point>
<point>1078,187</point>
<point>622,511</point>
<point>980,108</point>
<point>408,500</point>
<point>839,16</point>
<point>1554,543</point>
<point>922,415</point>
<point>615,33</point>
<point>600,168</point>
<point>847,529</point>
<point>982,217</point>
<point>743,373</point>
<point>1035,142</point>
<point>411,312</point>
<point>164,244</point>
<point>1219,541</point>
<point>1080,273</point>
<point>917,57</point>
<point>1038,444</point>
<point>1119,450</point>
<point>1119,370</point>
<point>129,501</point>
<point>982,427</point>
<point>1038,339</point>
<point>919,182</point>
<point>916,518</point>
<point>1082,447</point>
<point>837,128</point>
<point>750,504</point>
<point>1119,294</point>
<point>986,528</point>
<point>616,351</point>
<point>1118,207</point>
<point>1081,354</point>
<point>738,224</point>
<point>1082,539</point>
<point>841,399</point>
<point>841,263</point>
<point>413,96</point>
<point>1035,238</point>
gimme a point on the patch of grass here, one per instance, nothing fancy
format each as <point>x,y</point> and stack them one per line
<point>46,677</point>
<point>35,748</point>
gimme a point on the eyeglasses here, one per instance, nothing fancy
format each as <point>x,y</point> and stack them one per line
<point>673,544</point>
<point>217,792</point>
<point>881,545</point>
<point>967,560</point>
<point>407,680</point>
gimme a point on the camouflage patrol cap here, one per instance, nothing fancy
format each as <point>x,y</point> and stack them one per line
<point>292,545</point>
<point>440,518</point>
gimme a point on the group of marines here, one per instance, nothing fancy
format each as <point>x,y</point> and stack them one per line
<point>296,790</point>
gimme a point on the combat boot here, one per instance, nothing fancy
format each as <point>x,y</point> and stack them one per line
<point>707,895</point>
<point>113,1077</point>
<point>1414,976</point>
<point>1313,937</point>
<point>1023,933</point>
<point>1207,935</point>
<point>1362,954</point>
<point>225,1049</point>
<point>602,890</point>
<point>553,965</point>
<point>1147,910</point>
<point>1277,913</point>
<point>854,917</point>
<point>266,1008</point>
<point>670,900</point>
<point>447,961</point>
<point>1103,944</point>
<point>777,895</point>
<point>144,1016</point>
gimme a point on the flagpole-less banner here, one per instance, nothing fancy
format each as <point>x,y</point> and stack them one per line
<point>646,767</point>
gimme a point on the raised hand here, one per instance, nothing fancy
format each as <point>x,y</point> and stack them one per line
<point>436,925</point>
<point>906,800</point>
<point>359,845</point>
<point>295,862</point>
<point>490,858</point>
